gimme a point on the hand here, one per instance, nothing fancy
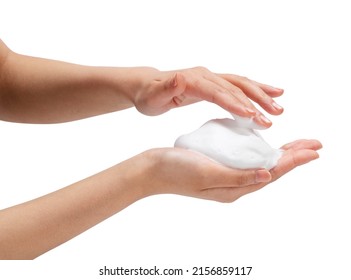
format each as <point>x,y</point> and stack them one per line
<point>162,91</point>
<point>184,172</point>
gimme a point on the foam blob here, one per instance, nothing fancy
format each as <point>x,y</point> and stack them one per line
<point>234,143</point>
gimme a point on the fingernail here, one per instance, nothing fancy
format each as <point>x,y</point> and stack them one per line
<point>263,176</point>
<point>250,111</point>
<point>277,106</point>
<point>264,119</point>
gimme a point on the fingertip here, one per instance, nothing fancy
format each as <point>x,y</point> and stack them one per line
<point>315,156</point>
<point>317,144</point>
<point>263,121</point>
<point>250,111</point>
<point>241,110</point>
<point>304,156</point>
<point>263,176</point>
<point>270,90</point>
<point>309,156</point>
<point>277,92</point>
<point>277,108</point>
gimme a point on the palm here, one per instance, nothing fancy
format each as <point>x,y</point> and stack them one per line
<point>295,154</point>
<point>209,180</point>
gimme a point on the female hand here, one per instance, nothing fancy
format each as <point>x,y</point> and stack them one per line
<point>63,214</point>
<point>161,91</point>
<point>184,172</point>
<point>70,92</point>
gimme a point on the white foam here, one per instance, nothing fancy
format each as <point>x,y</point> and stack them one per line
<point>247,122</point>
<point>234,143</point>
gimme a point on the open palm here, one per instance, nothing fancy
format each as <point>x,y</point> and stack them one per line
<point>189,173</point>
<point>295,154</point>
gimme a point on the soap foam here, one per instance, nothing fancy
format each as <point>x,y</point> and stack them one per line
<point>234,143</point>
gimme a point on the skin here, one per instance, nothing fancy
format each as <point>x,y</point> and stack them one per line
<point>35,90</point>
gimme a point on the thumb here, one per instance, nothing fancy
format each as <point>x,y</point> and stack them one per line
<point>241,178</point>
<point>175,87</point>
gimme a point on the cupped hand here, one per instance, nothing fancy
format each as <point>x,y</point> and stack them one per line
<point>188,173</point>
<point>161,91</point>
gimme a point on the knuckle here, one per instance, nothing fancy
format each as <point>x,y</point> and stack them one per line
<point>201,69</point>
<point>245,79</point>
<point>243,179</point>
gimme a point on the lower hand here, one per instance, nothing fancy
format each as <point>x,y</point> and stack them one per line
<point>184,172</point>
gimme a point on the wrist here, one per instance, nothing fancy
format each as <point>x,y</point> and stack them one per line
<point>152,176</point>
<point>132,81</point>
<point>138,175</point>
<point>157,176</point>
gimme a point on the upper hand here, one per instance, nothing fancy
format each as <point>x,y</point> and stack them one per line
<point>161,91</point>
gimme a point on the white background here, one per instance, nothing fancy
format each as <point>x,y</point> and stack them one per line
<point>296,228</point>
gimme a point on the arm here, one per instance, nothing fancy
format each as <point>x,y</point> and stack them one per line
<point>32,228</point>
<point>37,90</point>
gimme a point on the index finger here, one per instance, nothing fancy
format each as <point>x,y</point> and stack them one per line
<point>260,93</point>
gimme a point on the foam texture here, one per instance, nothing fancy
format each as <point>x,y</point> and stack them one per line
<point>234,143</point>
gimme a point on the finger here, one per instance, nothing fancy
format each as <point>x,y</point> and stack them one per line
<point>292,159</point>
<point>160,97</point>
<point>230,88</point>
<point>238,94</point>
<point>214,92</point>
<point>255,93</point>
<point>239,178</point>
<point>303,144</point>
<point>173,85</point>
<point>211,87</point>
<point>271,91</point>
<point>171,90</point>
<point>230,194</point>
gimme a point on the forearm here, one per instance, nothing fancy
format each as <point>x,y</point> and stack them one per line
<point>36,90</point>
<point>35,227</point>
